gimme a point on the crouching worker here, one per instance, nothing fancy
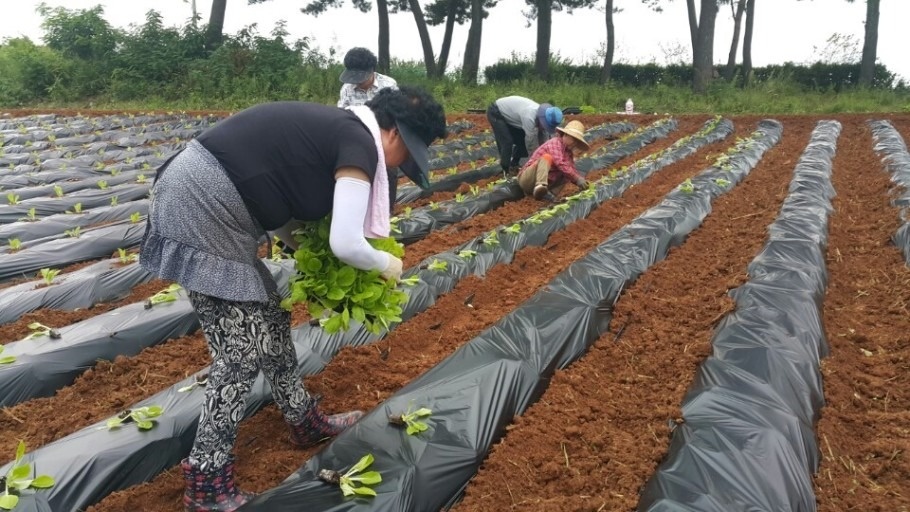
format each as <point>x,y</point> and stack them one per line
<point>553,164</point>
<point>212,205</point>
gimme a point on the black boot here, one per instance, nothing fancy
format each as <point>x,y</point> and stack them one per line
<point>212,490</point>
<point>316,426</point>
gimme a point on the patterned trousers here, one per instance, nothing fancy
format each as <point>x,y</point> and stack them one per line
<point>243,338</point>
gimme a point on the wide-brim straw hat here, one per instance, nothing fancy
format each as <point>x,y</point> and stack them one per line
<point>576,130</point>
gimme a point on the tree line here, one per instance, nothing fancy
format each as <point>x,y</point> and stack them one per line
<point>701,20</point>
<point>83,56</point>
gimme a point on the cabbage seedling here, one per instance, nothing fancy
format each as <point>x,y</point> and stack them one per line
<point>73,233</point>
<point>31,216</point>
<point>143,417</point>
<point>514,229</point>
<point>126,257</point>
<point>15,244</point>
<point>6,359</point>
<point>410,281</point>
<point>114,201</point>
<point>18,479</point>
<point>58,191</point>
<point>687,186</point>
<point>168,294</point>
<point>12,198</point>
<point>39,330</point>
<point>438,265</point>
<point>200,381</point>
<point>412,420</point>
<point>48,274</point>
<point>349,480</point>
<point>134,217</point>
<point>466,253</point>
<point>102,184</point>
<point>77,208</point>
<point>141,178</point>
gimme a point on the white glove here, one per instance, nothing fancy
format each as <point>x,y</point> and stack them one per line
<point>393,270</point>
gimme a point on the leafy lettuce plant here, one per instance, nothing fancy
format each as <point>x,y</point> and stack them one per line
<point>354,480</point>
<point>19,478</point>
<point>143,417</point>
<point>412,418</point>
<point>336,292</point>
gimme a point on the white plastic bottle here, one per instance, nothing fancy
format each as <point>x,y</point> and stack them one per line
<point>630,107</point>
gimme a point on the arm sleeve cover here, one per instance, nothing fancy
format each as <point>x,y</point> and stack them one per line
<point>346,234</point>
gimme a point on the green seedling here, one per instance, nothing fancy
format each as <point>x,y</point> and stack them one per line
<point>143,417</point>
<point>114,201</point>
<point>77,208</point>
<point>141,179</point>
<point>434,205</point>
<point>115,172</point>
<point>39,330</point>
<point>459,197</point>
<point>135,217</point>
<point>412,419</point>
<point>452,170</point>
<point>466,253</point>
<point>407,212</point>
<point>354,480</point>
<point>722,182</point>
<point>12,198</point>
<point>19,478</point>
<point>58,191</point>
<point>687,187</point>
<point>14,244</point>
<point>168,294</point>
<point>200,381</point>
<point>6,359</point>
<point>125,257</point>
<point>514,229</point>
<point>73,233</point>
<point>102,184</point>
<point>410,281</point>
<point>491,239</point>
<point>475,190</point>
<point>438,265</point>
<point>31,216</point>
<point>48,274</point>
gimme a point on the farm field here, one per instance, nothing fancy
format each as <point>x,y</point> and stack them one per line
<point>557,358</point>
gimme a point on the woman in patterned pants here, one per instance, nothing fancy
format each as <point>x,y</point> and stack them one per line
<point>213,205</point>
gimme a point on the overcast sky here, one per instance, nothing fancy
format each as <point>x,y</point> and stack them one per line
<point>785,30</point>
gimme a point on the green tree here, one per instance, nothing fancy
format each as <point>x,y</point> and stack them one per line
<point>213,31</point>
<point>317,7</point>
<point>737,10</point>
<point>747,42</point>
<point>701,34</point>
<point>542,11</point>
<point>870,43</point>
<point>82,33</point>
<point>609,10</point>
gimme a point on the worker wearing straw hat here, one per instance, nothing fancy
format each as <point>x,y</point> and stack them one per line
<point>553,164</point>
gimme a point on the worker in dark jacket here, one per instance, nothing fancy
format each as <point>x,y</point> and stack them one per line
<point>520,125</point>
<point>211,208</point>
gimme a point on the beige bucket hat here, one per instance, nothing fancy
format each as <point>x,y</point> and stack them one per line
<point>576,130</point>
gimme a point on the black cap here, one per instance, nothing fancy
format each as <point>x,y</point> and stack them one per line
<point>359,64</point>
<point>417,167</point>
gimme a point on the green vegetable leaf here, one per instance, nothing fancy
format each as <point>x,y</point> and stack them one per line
<point>8,501</point>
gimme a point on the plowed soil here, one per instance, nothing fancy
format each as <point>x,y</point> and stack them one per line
<point>602,427</point>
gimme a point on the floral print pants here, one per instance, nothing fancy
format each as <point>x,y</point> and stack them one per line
<point>243,338</point>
